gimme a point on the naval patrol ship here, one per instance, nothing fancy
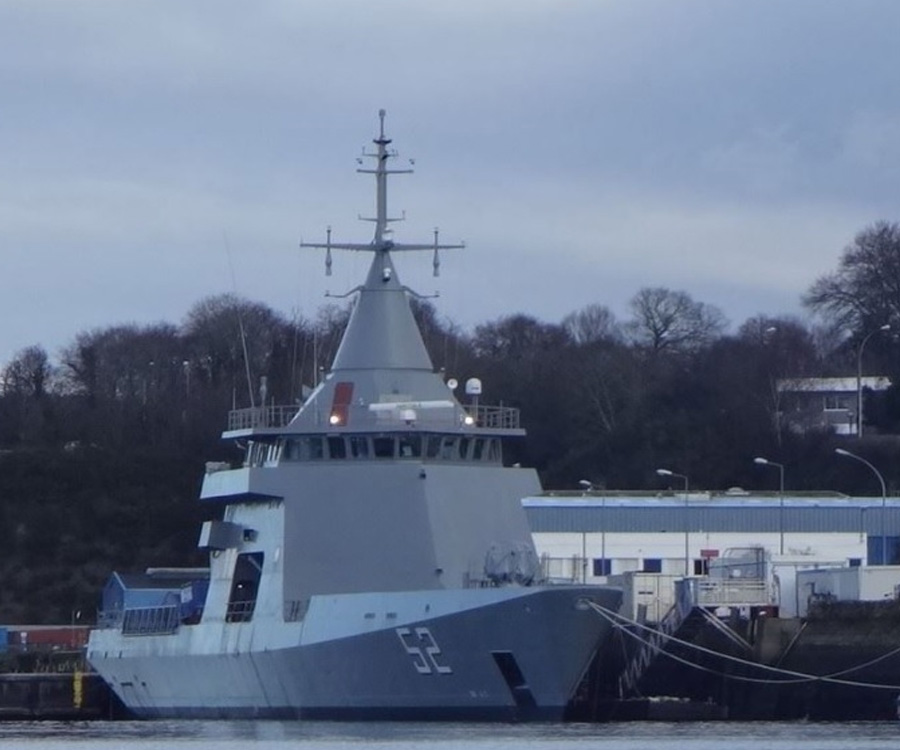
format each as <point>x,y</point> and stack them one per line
<point>373,559</point>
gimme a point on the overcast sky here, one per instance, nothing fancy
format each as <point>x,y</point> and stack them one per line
<point>155,152</point>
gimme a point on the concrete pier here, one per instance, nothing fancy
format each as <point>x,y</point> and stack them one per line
<point>60,696</point>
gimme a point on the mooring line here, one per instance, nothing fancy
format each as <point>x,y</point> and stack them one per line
<point>620,621</point>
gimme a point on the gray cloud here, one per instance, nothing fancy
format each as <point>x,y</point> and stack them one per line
<point>583,148</point>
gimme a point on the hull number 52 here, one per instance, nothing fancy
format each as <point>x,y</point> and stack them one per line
<point>426,655</point>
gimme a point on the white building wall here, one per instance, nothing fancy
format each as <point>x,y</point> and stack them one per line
<point>848,584</point>
<point>878,583</point>
<point>569,556</point>
<point>629,551</point>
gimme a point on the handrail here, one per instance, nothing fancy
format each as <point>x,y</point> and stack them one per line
<point>489,417</point>
<point>278,415</point>
<point>162,620</point>
<point>712,591</point>
<point>494,417</point>
<point>240,611</point>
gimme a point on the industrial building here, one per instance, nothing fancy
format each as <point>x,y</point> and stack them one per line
<point>608,536</point>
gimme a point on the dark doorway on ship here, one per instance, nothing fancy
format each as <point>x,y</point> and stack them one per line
<point>244,587</point>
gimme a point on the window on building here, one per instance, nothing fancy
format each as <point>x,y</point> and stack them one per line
<point>855,562</point>
<point>836,403</point>
<point>652,565</point>
<point>701,566</point>
<point>602,566</point>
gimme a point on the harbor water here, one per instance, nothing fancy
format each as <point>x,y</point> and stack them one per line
<point>265,735</point>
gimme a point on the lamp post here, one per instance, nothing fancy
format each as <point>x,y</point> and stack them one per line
<point>859,393</point>
<point>848,454</point>
<point>766,462</point>
<point>687,554</point>
<point>589,486</point>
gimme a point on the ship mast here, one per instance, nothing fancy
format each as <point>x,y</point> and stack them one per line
<point>381,242</point>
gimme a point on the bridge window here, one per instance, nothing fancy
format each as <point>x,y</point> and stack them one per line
<point>273,453</point>
<point>410,446</point>
<point>383,446</point>
<point>306,448</point>
<point>337,448</point>
<point>262,453</point>
<point>359,446</point>
<point>448,448</point>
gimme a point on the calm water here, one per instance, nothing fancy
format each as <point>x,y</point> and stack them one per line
<point>264,735</point>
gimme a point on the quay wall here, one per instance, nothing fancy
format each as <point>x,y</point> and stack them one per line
<point>59,696</point>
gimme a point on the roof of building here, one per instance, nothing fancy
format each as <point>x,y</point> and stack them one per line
<point>832,385</point>
<point>154,579</point>
<point>710,512</point>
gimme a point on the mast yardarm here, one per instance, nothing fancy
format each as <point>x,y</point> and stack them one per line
<point>381,242</point>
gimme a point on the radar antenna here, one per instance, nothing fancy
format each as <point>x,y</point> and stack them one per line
<point>381,242</point>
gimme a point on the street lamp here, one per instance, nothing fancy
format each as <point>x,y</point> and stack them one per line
<point>585,484</point>
<point>859,393</point>
<point>766,462</point>
<point>687,555</point>
<point>848,454</point>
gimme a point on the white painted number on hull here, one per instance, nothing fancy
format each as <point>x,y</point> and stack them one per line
<point>423,649</point>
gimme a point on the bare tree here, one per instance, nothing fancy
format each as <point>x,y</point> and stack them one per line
<point>121,363</point>
<point>864,292</point>
<point>518,338</point>
<point>592,324</point>
<point>234,341</point>
<point>28,373</point>
<point>668,320</point>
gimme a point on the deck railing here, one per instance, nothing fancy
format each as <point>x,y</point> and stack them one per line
<point>262,416</point>
<point>240,611</point>
<point>494,417</point>
<point>723,592</point>
<point>277,416</point>
<point>151,620</point>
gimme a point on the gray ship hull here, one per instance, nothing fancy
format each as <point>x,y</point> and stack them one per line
<point>509,653</point>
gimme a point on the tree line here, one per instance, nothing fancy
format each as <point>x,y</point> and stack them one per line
<point>102,447</point>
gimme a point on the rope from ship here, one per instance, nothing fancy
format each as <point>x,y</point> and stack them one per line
<point>786,676</point>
